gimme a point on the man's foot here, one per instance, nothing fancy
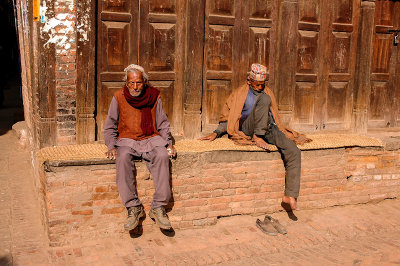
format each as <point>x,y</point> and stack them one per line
<point>261,143</point>
<point>160,217</point>
<point>134,214</point>
<point>289,203</point>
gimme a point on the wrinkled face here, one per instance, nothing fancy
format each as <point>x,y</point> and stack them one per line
<point>258,86</point>
<point>135,83</point>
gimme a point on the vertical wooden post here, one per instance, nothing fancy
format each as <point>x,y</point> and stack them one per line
<point>44,82</point>
<point>194,68</point>
<point>362,85</point>
<point>287,58</point>
<point>85,65</point>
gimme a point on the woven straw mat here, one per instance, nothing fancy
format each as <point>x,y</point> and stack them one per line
<point>96,151</point>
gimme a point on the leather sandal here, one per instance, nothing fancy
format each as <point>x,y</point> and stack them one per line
<point>275,223</point>
<point>266,227</point>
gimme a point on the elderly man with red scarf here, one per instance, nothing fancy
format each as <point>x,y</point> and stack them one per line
<point>137,127</point>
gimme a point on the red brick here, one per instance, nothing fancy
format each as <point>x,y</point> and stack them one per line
<point>245,197</point>
<point>101,189</point>
<point>112,210</point>
<point>106,195</point>
<point>194,202</point>
<point>219,200</point>
<point>88,203</point>
<point>82,212</point>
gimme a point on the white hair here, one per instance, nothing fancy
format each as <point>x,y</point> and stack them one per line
<point>136,68</point>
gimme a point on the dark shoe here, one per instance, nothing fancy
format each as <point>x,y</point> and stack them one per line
<point>160,217</point>
<point>134,214</point>
<point>266,227</point>
<point>275,223</point>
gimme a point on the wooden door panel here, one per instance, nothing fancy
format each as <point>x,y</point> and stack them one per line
<point>260,43</point>
<point>258,28</point>
<point>307,51</point>
<point>104,96</point>
<point>383,110</point>
<point>304,98</point>
<point>221,57</point>
<point>115,43</point>
<point>161,52</point>
<point>336,102</point>
<point>162,6</point>
<point>341,52</point>
<point>116,5</point>
<point>166,93</point>
<point>305,105</point>
<point>117,48</point>
<point>219,48</point>
<point>382,53</point>
<point>214,92</point>
<point>342,42</point>
<point>161,47</point>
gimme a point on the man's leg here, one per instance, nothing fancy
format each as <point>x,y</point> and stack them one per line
<point>292,161</point>
<point>257,122</point>
<point>158,164</point>
<point>126,176</point>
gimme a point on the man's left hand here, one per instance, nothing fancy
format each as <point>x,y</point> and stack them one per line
<point>171,150</point>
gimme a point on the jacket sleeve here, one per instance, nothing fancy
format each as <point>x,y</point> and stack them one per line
<point>111,125</point>
<point>162,123</point>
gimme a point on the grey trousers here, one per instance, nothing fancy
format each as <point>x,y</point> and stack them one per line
<point>157,162</point>
<point>260,123</point>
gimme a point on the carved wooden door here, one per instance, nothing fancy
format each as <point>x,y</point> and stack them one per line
<point>237,34</point>
<point>326,57</point>
<point>385,88</point>
<point>149,33</point>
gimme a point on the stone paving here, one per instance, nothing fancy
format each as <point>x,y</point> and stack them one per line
<point>367,234</point>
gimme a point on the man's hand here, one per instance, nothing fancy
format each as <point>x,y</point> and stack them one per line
<point>261,143</point>
<point>210,137</point>
<point>171,150</point>
<point>112,154</point>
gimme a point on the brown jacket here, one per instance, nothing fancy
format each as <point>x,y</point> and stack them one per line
<point>232,111</point>
<point>130,119</point>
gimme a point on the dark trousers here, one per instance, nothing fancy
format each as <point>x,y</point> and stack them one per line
<point>157,161</point>
<point>260,123</point>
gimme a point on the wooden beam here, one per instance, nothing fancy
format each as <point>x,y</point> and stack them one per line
<point>362,85</point>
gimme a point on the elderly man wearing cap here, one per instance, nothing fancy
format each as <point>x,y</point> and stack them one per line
<point>250,116</point>
<point>137,127</point>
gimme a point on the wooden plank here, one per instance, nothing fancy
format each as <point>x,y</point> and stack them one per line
<point>85,81</point>
<point>306,77</point>
<point>112,16</point>
<point>285,74</point>
<point>362,83</point>
<point>219,75</point>
<point>342,27</point>
<point>165,18</point>
<point>221,20</point>
<point>309,26</point>
<point>261,23</point>
<point>194,68</point>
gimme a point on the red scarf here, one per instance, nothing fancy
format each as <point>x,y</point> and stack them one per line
<point>145,101</point>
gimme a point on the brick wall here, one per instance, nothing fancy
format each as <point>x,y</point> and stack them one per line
<point>83,201</point>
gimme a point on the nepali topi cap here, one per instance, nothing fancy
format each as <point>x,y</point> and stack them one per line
<point>258,72</point>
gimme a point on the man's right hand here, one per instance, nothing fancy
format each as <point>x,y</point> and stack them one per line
<point>210,137</point>
<point>112,154</point>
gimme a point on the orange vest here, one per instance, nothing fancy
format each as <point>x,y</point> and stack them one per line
<point>130,118</point>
